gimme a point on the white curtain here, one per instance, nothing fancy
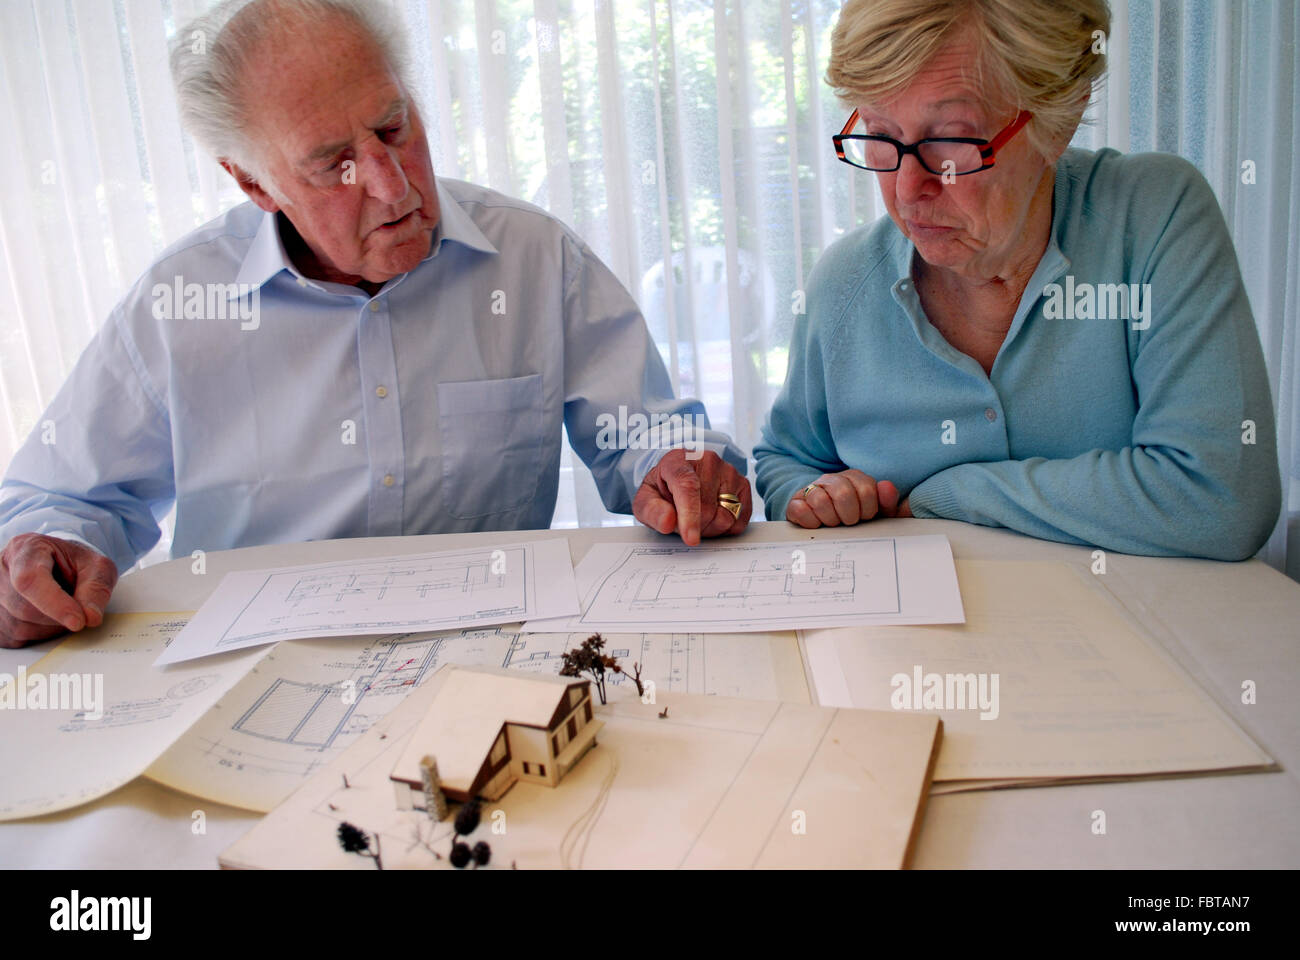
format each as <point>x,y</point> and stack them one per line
<point>687,140</point>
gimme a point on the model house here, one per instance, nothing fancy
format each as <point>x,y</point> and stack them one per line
<point>489,726</point>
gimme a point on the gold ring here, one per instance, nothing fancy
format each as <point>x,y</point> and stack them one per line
<point>809,489</point>
<point>731,503</point>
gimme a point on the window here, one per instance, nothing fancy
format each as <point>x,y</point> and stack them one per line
<point>526,768</point>
<point>541,769</point>
<point>586,708</point>
<point>573,728</point>
<point>720,288</point>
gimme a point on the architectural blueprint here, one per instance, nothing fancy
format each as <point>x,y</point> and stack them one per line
<point>731,588</point>
<point>432,591</point>
<point>247,728</point>
<point>304,702</point>
<point>56,759</point>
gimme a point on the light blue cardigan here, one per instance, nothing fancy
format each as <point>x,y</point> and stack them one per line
<point>1128,432</point>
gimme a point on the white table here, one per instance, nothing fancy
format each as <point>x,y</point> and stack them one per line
<point>1223,622</point>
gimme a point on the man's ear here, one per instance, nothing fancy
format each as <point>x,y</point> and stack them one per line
<point>248,183</point>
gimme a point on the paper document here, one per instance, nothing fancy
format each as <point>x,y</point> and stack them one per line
<point>305,702</point>
<point>731,588</point>
<point>1047,680</point>
<point>58,758</point>
<point>687,781</point>
<point>431,591</point>
<point>248,728</point>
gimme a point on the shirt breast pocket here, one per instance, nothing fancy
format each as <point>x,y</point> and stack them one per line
<point>491,435</point>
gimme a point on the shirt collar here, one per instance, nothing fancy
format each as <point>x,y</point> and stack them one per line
<point>455,224</point>
<point>266,255</point>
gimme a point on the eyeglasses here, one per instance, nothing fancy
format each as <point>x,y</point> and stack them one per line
<point>955,156</point>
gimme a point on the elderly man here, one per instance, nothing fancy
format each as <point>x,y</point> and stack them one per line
<point>359,351</point>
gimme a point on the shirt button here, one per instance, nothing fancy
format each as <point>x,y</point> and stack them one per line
<point>374,306</point>
<point>990,414</point>
<point>388,480</point>
<point>381,392</point>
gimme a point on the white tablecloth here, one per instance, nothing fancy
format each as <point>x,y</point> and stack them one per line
<point>1223,622</point>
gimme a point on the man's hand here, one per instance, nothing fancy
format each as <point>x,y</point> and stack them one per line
<point>682,495</point>
<point>845,498</point>
<point>48,586</point>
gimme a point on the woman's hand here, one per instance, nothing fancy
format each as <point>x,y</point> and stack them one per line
<point>845,498</point>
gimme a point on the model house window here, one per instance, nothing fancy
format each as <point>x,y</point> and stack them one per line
<point>541,769</point>
<point>573,728</point>
<point>525,768</point>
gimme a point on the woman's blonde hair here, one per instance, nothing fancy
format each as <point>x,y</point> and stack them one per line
<point>1036,55</point>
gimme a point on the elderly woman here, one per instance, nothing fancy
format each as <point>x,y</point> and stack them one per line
<point>1041,338</point>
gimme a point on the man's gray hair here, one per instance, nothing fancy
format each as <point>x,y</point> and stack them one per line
<point>210,54</point>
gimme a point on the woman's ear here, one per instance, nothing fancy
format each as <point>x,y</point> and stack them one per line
<point>1062,141</point>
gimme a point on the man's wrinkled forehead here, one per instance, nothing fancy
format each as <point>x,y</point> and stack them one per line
<point>329,144</point>
<point>316,79</point>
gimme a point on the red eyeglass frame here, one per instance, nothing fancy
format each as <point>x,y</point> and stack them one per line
<point>988,148</point>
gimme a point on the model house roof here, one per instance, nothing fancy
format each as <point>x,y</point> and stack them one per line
<point>467,713</point>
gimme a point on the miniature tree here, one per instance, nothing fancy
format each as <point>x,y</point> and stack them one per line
<point>460,855</point>
<point>435,801</point>
<point>636,678</point>
<point>589,658</point>
<point>468,817</point>
<point>354,840</point>
<point>466,822</point>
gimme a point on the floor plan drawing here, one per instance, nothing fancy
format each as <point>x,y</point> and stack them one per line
<point>757,666</point>
<point>748,583</point>
<point>246,729</point>
<point>306,701</point>
<point>433,591</point>
<point>315,714</point>
<point>391,593</point>
<point>399,583</point>
<point>756,587</point>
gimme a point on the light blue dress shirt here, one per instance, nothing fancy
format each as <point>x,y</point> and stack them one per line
<point>289,409</point>
<point>1149,434</point>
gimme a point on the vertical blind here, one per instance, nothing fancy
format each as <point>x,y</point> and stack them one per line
<point>686,140</point>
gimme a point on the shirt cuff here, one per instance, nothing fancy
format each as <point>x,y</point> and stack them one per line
<point>64,535</point>
<point>694,450</point>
